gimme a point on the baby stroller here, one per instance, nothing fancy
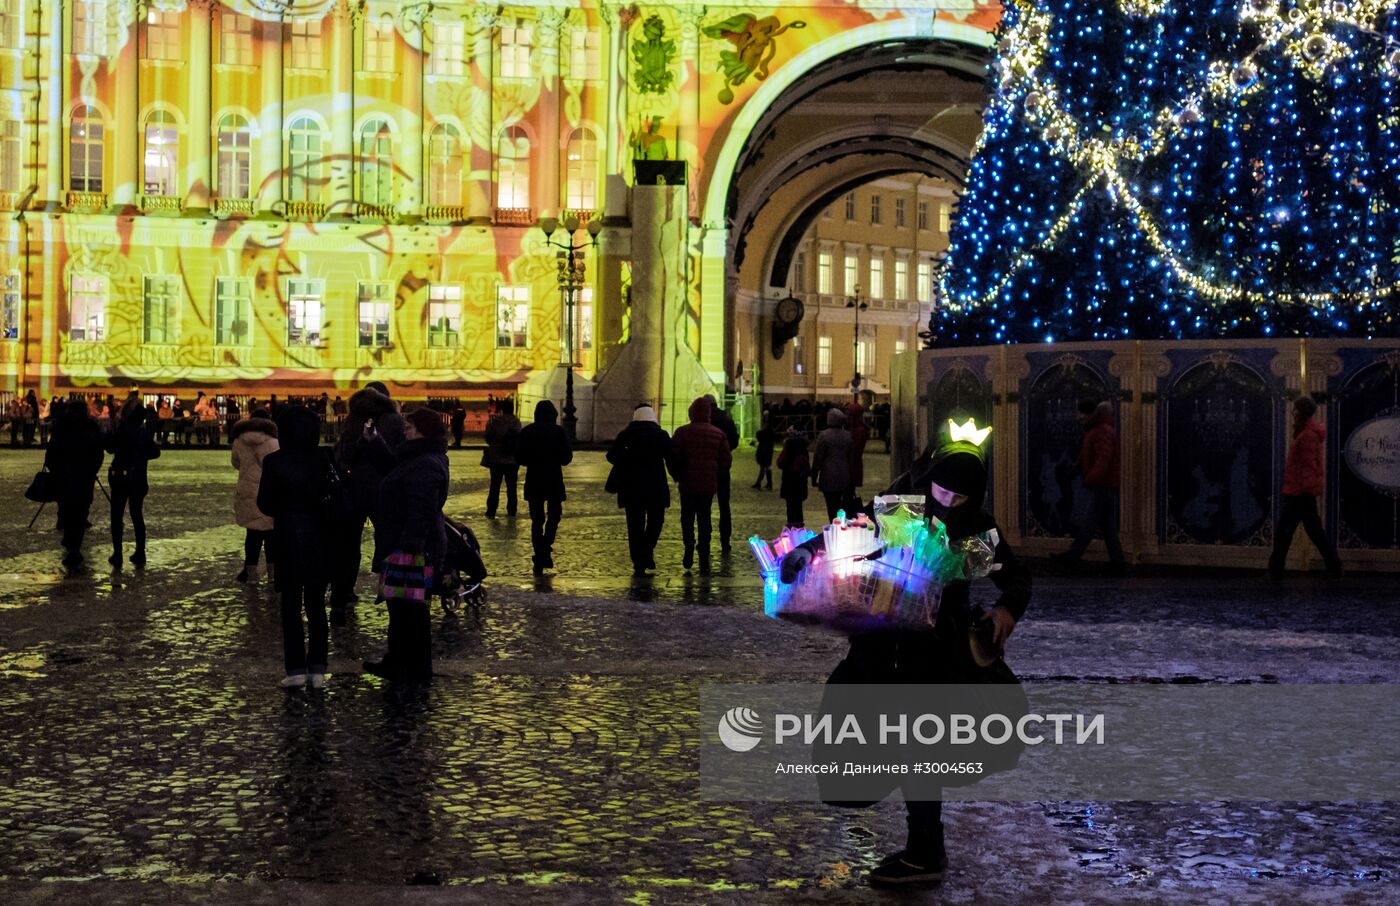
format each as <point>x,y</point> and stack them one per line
<point>463,570</point>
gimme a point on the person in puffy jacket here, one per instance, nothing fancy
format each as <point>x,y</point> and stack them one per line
<point>1098,466</point>
<point>409,522</point>
<point>132,445</point>
<point>639,458</point>
<point>293,489</point>
<point>796,466</point>
<point>544,450</point>
<point>253,439</point>
<point>1304,480</point>
<point>701,462</point>
<point>502,431</point>
<point>831,462</point>
<point>364,453</point>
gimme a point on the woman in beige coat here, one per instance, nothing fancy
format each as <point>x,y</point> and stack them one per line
<point>253,439</point>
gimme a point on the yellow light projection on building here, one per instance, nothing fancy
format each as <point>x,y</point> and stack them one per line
<point>300,196</point>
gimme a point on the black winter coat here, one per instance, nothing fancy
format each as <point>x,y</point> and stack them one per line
<point>132,446</point>
<point>641,455</point>
<point>74,455</point>
<point>411,498</point>
<point>365,461</point>
<point>543,449</point>
<point>294,483</point>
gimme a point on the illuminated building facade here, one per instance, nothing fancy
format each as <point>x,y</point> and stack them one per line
<point>301,196</point>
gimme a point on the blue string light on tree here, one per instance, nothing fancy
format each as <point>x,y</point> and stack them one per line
<point>1182,168</point>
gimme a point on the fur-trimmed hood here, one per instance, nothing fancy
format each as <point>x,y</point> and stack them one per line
<point>246,425</point>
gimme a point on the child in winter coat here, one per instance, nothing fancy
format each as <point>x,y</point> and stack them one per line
<point>796,466</point>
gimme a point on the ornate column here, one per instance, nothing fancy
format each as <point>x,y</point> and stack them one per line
<point>413,190</point>
<point>342,201</point>
<point>547,179</point>
<point>56,85</point>
<point>688,144</point>
<point>618,157</point>
<point>481,197</point>
<point>269,193</point>
<point>198,171</point>
<point>126,187</point>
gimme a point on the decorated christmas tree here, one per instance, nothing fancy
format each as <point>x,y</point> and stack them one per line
<point>1156,169</point>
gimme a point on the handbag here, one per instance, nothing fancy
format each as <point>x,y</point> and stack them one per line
<point>407,577</point>
<point>41,489</point>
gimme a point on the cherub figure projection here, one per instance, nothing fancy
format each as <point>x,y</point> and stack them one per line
<point>754,47</point>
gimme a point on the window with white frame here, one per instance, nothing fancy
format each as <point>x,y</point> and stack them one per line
<point>850,206</point>
<point>161,164</point>
<point>162,34</point>
<point>877,277</point>
<point>581,171</point>
<point>799,273</point>
<point>448,55</point>
<point>11,306</point>
<point>945,216</point>
<point>901,279</point>
<point>824,355</point>
<point>799,356</point>
<point>586,54</point>
<point>515,51</point>
<point>512,317</point>
<point>235,157</point>
<point>305,160</point>
<point>923,215</point>
<point>851,277</point>
<point>513,169</point>
<point>376,163</point>
<point>85,150</point>
<point>305,312</point>
<point>87,309</point>
<point>306,43</point>
<point>924,290</point>
<point>11,23</point>
<point>374,303</point>
<point>233,306</point>
<point>235,38</point>
<point>899,212</point>
<point>379,44</point>
<point>865,356</point>
<point>824,272</point>
<point>445,165</point>
<point>11,156</point>
<point>160,310</point>
<point>875,204</point>
<point>90,27</point>
<point>444,315</point>
<point>583,324</point>
<point>900,347</point>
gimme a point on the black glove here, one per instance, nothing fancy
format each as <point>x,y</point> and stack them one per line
<point>795,561</point>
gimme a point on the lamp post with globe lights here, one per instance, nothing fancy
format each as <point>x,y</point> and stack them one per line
<point>859,305</point>
<point>571,275</point>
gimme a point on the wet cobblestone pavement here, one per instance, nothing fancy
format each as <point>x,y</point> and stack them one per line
<point>150,757</point>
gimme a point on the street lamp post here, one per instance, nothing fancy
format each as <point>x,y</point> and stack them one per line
<point>859,305</point>
<point>571,279</point>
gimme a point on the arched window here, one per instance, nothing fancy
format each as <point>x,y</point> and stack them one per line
<point>235,157</point>
<point>445,165</point>
<point>162,155</point>
<point>376,163</point>
<point>581,173</point>
<point>513,169</point>
<point>85,150</point>
<point>304,160</point>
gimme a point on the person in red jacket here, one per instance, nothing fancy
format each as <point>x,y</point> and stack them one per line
<point>1099,467</point>
<point>1303,482</point>
<point>702,458</point>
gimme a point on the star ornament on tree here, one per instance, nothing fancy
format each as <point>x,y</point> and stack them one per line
<point>967,431</point>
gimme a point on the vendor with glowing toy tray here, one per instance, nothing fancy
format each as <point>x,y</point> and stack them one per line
<point>963,646</point>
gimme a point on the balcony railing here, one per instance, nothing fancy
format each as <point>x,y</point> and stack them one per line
<point>374,211</point>
<point>583,216</point>
<point>306,210</point>
<point>446,213</point>
<point>86,201</point>
<point>233,207</point>
<point>160,204</point>
<point>515,216</point>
